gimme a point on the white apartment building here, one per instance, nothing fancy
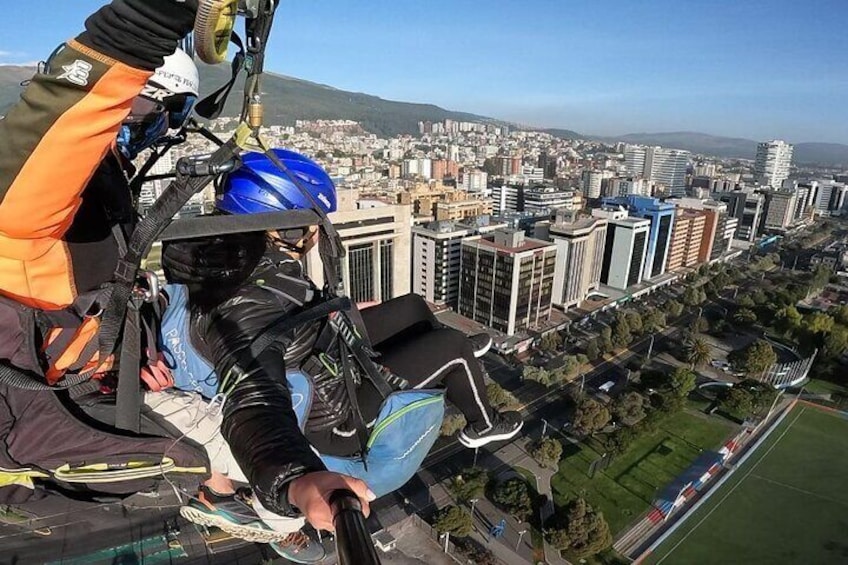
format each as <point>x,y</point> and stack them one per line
<point>773,162</point>
<point>580,257</point>
<point>625,248</point>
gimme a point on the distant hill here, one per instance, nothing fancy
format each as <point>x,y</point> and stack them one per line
<point>695,142</point>
<point>734,147</point>
<point>566,134</point>
<point>288,99</point>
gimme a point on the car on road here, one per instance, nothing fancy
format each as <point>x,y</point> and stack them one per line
<point>607,386</point>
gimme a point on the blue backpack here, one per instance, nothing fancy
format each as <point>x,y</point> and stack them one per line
<point>405,430</point>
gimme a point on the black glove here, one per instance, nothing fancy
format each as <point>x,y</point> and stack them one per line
<point>139,33</point>
<point>225,260</point>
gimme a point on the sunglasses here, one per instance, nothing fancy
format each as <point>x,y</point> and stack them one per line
<point>146,111</point>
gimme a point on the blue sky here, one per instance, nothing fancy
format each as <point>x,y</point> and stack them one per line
<point>747,68</point>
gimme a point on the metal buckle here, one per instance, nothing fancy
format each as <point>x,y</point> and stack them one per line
<point>151,292</point>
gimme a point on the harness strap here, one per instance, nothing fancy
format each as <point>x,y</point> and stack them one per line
<point>128,400</point>
<point>350,387</point>
<point>212,106</point>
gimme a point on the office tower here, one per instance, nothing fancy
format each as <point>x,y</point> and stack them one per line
<point>542,200</point>
<point>507,198</point>
<point>634,159</point>
<point>378,244</point>
<point>830,197</point>
<point>666,167</point>
<point>713,226</point>
<point>625,248</point>
<point>747,208</point>
<point>475,181</point>
<point>779,209</point>
<point>772,164</point>
<point>686,237</point>
<point>506,280</point>
<point>661,216</point>
<point>627,186</point>
<point>436,257</point>
<point>593,183</point>
<point>580,256</point>
<point>548,164</point>
<point>723,237</point>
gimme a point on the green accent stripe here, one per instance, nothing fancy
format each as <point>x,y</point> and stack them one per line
<point>44,101</point>
<point>399,414</point>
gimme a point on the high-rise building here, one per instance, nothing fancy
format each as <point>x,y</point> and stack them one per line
<point>661,216</point>
<point>506,280</point>
<point>723,237</point>
<point>712,226</point>
<point>667,167</point>
<point>830,196</point>
<point>772,164</point>
<point>592,183</point>
<point>475,181</point>
<point>747,208</point>
<point>580,256</point>
<point>378,246</point>
<point>627,186</point>
<point>625,248</point>
<point>548,164</point>
<point>543,199</point>
<point>436,258</point>
<point>779,209</point>
<point>663,166</point>
<point>686,237</point>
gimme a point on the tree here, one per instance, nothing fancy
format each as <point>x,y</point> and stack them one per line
<point>653,320</point>
<point>452,423</point>
<point>541,376</point>
<point>788,318</point>
<point>692,296</point>
<point>593,350</point>
<point>836,342</point>
<point>580,530</point>
<point>702,325</point>
<point>551,342</point>
<point>499,398</point>
<point>547,453</point>
<point>745,316</point>
<point>698,351</point>
<point>514,497</point>
<point>818,323</point>
<point>748,398</point>
<point>590,416</point>
<point>454,520</point>
<point>681,382</point>
<point>840,314</point>
<point>606,339</point>
<point>469,484</point>
<point>629,408</point>
<point>675,308</point>
<point>621,335</point>
<point>634,321</point>
<point>754,359</point>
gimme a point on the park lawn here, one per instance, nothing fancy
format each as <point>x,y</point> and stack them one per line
<point>816,386</point>
<point>785,504</point>
<point>630,484</point>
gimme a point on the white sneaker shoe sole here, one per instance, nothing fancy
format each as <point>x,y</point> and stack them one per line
<point>481,441</point>
<point>253,535</point>
<point>480,352</point>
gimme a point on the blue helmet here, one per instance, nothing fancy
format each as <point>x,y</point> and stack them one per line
<point>260,186</point>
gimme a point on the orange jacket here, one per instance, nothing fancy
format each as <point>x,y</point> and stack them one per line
<point>51,144</point>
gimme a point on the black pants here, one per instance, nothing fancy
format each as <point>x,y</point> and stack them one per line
<point>415,346</point>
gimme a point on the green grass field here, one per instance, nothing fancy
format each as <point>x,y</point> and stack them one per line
<point>786,504</point>
<point>626,489</point>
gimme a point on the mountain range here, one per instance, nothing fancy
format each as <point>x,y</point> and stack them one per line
<point>288,99</point>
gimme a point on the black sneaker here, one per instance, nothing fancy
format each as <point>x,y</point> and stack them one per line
<point>482,343</point>
<point>506,426</point>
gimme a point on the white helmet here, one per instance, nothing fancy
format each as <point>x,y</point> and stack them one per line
<point>178,74</point>
<point>165,102</point>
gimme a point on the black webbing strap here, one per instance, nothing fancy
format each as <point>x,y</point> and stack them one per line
<point>148,229</point>
<point>361,352</point>
<point>128,400</point>
<point>212,106</point>
<point>350,388</point>
<point>204,226</point>
<point>284,324</point>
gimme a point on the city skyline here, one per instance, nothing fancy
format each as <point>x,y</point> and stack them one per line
<point>609,69</point>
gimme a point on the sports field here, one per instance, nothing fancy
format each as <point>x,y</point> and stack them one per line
<point>628,486</point>
<point>788,503</point>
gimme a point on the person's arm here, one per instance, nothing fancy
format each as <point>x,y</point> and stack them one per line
<point>68,118</point>
<point>259,423</point>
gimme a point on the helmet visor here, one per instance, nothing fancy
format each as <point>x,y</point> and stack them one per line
<point>179,108</point>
